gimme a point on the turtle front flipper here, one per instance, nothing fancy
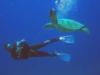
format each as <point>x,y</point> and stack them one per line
<point>53,16</point>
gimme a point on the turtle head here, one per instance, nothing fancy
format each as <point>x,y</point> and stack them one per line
<point>49,25</point>
<point>85,29</point>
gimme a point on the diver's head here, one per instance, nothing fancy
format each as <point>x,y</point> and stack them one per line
<point>8,46</point>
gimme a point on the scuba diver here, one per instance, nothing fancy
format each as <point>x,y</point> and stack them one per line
<point>22,50</point>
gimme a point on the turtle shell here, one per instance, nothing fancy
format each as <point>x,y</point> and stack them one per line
<point>69,24</point>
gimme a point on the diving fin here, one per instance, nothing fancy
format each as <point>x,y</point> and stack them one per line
<point>67,39</point>
<point>64,56</point>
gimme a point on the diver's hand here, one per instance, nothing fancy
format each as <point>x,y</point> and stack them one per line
<point>67,39</point>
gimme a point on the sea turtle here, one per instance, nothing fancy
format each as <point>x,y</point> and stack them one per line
<point>65,25</point>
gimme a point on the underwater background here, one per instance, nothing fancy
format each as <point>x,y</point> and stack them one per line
<point>25,19</point>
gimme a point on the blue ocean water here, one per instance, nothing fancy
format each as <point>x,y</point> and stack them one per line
<point>25,19</point>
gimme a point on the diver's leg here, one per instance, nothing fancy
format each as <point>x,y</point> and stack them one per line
<point>67,39</point>
<point>62,56</point>
<point>37,53</point>
<point>44,43</point>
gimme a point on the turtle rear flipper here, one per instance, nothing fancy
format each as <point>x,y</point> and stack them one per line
<point>49,25</point>
<point>53,16</point>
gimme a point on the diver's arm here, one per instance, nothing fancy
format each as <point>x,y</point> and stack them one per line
<point>44,43</point>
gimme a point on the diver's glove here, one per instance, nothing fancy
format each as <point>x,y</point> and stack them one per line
<point>67,39</point>
<point>63,56</point>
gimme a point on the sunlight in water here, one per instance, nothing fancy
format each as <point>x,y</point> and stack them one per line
<point>63,7</point>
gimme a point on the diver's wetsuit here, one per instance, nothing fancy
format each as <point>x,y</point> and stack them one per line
<point>31,51</point>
